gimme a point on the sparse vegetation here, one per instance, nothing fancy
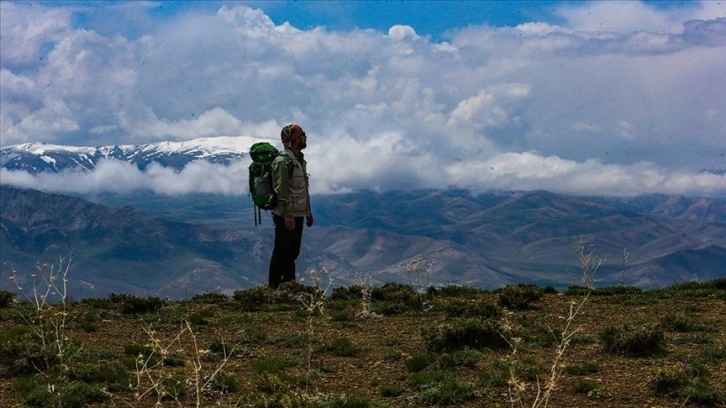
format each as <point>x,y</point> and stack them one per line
<point>295,347</point>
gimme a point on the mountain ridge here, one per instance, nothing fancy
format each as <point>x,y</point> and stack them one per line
<point>184,245</point>
<point>38,157</point>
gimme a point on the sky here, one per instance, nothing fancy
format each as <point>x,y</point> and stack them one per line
<point>591,98</point>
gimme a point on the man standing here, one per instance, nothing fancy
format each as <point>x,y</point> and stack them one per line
<point>290,182</point>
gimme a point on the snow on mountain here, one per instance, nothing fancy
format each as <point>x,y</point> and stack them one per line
<point>40,157</point>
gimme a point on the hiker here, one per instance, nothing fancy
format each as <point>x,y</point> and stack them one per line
<point>290,182</point>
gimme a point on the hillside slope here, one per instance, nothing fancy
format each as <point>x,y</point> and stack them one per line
<point>190,244</point>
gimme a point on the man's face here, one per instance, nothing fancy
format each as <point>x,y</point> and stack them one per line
<point>301,140</point>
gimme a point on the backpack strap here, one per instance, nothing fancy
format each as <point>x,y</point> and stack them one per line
<point>289,163</point>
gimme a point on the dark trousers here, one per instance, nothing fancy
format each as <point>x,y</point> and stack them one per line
<point>286,251</point>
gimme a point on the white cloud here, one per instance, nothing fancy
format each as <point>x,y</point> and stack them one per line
<point>121,177</point>
<point>532,171</point>
<point>617,83</point>
<point>621,17</point>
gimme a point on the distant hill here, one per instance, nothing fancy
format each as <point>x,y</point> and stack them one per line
<point>148,244</point>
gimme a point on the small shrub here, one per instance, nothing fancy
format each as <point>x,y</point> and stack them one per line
<point>669,379</point>
<point>710,289</point>
<point>222,384</point>
<point>427,378</point>
<point>646,341</point>
<point>388,391</point>
<point>582,338</point>
<point>447,392</point>
<point>138,350</point>
<point>344,316</point>
<point>253,299</point>
<point>582,369</point>
<point>701,393</point>
<point>468,332</point>
<point>494,378</point>
<point>393,292</point>
<point>343,347</point>
<point>462,308</point>
<point>677,322</point>
<point>113,374</point>
<point>713,353</point>
<point>214,298</point>
<point>387,308</point>
<point>687,383</point>
<point>416,364</point>
<point>129,304</point>
<point>6,298</point>
<point>526,368</point>
<point>271,365</point>
<point>455,291</point>
<point>393,355</point>
<point>694,338</point>
<point>171,388</point>
<point>519,296</point>
<point>466,357</point>
<point>201,317</point>
<point>585,386</point>
<point>390,341</point>
<point>75,394</point>
<point>352,292</point>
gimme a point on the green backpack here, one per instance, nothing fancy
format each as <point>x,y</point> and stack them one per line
<point>260,179</point>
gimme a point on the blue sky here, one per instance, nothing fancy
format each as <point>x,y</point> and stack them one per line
<point>582,97</point>
<point>429,17</point>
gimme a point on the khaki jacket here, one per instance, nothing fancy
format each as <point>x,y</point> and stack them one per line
<point>292,189</point>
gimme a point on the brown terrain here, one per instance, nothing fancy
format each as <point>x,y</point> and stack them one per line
<point>395,348</point>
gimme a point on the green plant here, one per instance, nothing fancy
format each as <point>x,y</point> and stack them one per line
<point>201,317</point>
<point>464,332</point>
<point>639,342</point>
<point>677,322</point>
<point>393,292</point>
<point>6,298</point>
<point>465,357</point>
<point>454,291</point>
<point>519,296</point>
<point>419,363</point>
<point>390,341</point>
<point>687,383</point>
<point>585,386</point>
<point>483,309</point>
<point>50,316</point>
<point>352,292</point>
<point>129,304</point>
<point>343,347</point>
<point>344,316</point>
<point>75,394</point>
<point>713,353</point>
<point>527,368</point>
<point>669,379</point>
<point>388,391</point>
<point>214,298</point>
<point>447,392</point>
<point>393,355</point>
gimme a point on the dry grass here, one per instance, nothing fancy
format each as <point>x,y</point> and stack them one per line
<point>287,352</point>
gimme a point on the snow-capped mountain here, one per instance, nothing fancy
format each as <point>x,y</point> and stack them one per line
<point>39,157</point>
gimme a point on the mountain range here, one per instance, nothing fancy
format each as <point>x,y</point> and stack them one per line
<point>40,157</point>
<point>180,246</point>
<point>146,243</point>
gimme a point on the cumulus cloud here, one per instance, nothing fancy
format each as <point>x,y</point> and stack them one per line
<point>614,97</point>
